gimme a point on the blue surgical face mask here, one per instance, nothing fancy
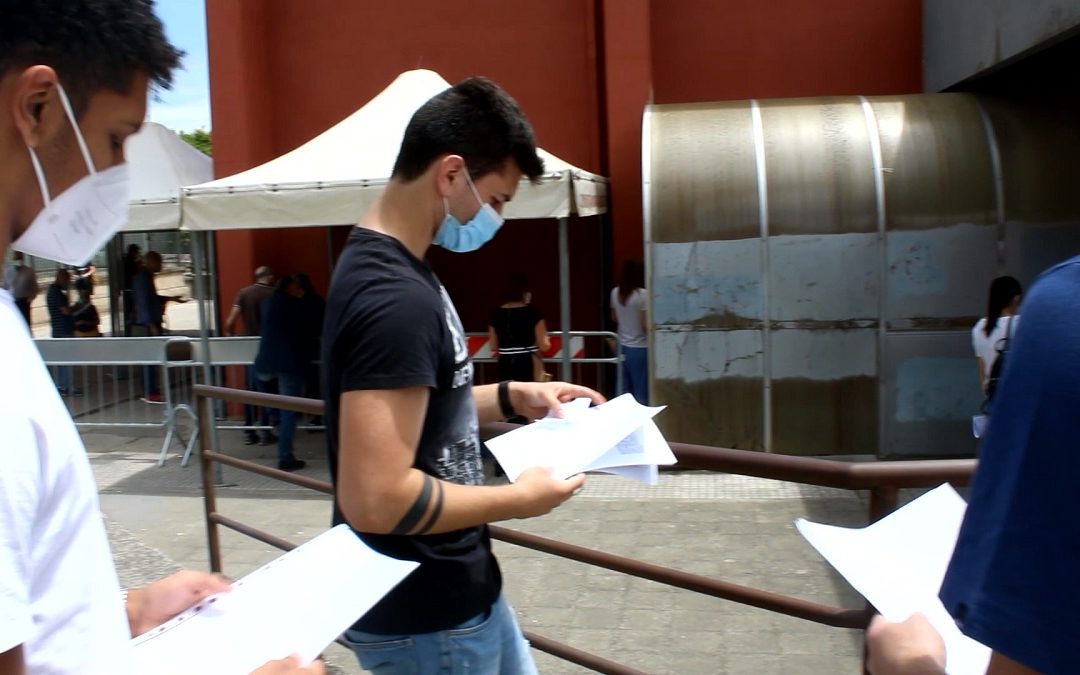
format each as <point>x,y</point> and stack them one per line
<point>459,238</point>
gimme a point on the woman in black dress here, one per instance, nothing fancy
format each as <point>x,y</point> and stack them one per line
<point>518,334</point>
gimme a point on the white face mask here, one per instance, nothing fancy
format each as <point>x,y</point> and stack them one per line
<point>79,221</point>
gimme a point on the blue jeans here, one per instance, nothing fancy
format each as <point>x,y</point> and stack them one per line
<point>636,373</point>
<point>150,380</point>
<point>289,384</point>
<point>63,378</point>
<point>490,643</point>
<point>255,383</point>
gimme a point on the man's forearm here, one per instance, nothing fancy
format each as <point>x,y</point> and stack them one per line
<point>487,403</point>
<point>423,504</point>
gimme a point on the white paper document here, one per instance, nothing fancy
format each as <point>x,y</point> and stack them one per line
<point>296,604</point>
<point>898,564</point>
<point>616,437</point>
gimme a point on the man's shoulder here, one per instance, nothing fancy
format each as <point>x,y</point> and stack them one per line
<point>255,292</point>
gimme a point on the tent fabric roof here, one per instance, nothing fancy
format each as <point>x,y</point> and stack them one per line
<point>160,164</point>
<point>333,178</point>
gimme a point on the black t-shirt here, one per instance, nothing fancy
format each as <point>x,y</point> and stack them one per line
<point>391,325</point>
<point>516,328</point>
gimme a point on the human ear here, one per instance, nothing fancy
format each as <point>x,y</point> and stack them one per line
<point>450,169</point>
<point>35,107</point>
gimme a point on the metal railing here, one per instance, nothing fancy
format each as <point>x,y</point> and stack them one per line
<point>558,360</point>
<point>882,479</point>
<point>108,374</point>
<point>107,381</point>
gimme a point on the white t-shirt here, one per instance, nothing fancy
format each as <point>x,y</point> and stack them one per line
<point>986,346</point>
<point>59,594</point>
<point>630,318</point>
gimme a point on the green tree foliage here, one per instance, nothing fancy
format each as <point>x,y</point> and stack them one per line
<point>200,139</point>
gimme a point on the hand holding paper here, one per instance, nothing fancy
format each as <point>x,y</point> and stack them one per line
<point>898,564</point>
<point>295,604</point>
<point>616,437</point>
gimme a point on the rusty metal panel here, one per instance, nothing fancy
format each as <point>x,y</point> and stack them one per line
<point>936,161</point>
<point>707,284</point>
<point>713,378</point>
<point>932,390</point>
<point>832,292</point>
<point>826,280</point>
<point>818,166</point>
<point>703,173</point>
<point>824,391</point>
<point>937,278</point>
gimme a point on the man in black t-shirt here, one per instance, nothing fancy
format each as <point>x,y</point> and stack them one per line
<point>401,409</point>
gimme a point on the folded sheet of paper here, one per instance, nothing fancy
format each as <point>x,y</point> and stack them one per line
<point>898,564</point>
<point>616,437</point>
<point>296,604</point>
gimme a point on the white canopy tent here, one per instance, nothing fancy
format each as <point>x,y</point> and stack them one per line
<point>161,163</point>
<point>333,178</point>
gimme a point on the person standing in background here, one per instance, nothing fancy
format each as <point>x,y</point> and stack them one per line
<point>283,356</point>
<point>85,315</point>
<point>62,324</point>
<point>628,311</point>
<point>132,265</point>
<point>518,333</point>
<point>248,306</point>
<point>989,335</point>
<point>150,317</point>
<point>21,281</point>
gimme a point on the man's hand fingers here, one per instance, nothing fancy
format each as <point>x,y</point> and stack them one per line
<point>575,483</point>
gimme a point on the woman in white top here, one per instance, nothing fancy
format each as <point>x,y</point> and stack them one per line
<point>1002,317</point>
<point>628,311</point>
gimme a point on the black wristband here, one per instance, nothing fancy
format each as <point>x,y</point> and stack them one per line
<point>505,405</point>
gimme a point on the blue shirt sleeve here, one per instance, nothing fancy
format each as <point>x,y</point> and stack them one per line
<point>1012,581</point>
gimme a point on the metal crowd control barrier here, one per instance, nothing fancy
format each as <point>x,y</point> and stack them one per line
<point>105,372</point>
<point>882,479</point>
<point>484,355</point>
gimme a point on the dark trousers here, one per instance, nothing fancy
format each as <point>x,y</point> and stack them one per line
<point>254,383</point>
<point>517,367</point>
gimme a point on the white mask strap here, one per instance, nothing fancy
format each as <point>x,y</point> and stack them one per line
<point>75,125</point>
<point>40,176</point>
<point>473,186</point>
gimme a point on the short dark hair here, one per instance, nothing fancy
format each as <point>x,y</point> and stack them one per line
<point>475,119</point>
<point>92,44</point>
<point>517,284</point>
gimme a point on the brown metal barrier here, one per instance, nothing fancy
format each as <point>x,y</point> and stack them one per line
<point>882,479</point>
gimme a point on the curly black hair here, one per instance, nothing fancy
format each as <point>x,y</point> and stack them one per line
<point>476,119</point>
<point>92,44</point>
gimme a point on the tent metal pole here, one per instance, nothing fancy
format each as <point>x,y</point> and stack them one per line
<point>199,253</point>
<point>564,294</point>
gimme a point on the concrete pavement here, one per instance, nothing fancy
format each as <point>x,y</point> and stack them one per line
<point>730,527</point>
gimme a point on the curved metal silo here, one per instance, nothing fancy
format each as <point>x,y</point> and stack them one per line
<point>815,265</point>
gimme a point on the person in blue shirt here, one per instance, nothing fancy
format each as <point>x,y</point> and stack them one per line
<point>1011,583</point>
<point>150,317</point>
<point>284,355</point>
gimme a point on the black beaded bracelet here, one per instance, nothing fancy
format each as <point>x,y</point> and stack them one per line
<point>505,405</point>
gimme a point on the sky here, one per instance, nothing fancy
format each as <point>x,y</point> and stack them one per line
<point>187,106</point>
